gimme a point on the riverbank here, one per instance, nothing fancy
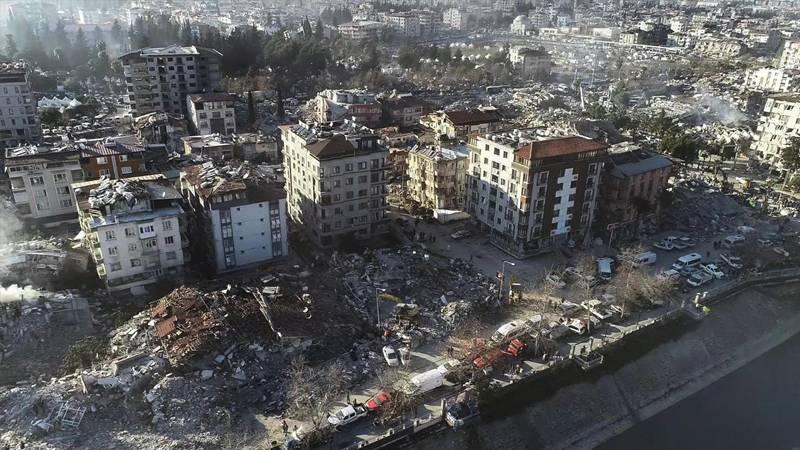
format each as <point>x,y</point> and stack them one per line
<point>629,389</point>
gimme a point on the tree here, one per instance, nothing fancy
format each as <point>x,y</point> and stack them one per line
<point>790,155</point>
<point>279,109</point>
<point>312,391</point>
<point>251,108</point>
<point>80,49</point>
<point>319,33</point>
<point>680,145</point>
<point>100,63</point>
<point>117,34</point>
<point>307,32</point>
<point>408,57</point>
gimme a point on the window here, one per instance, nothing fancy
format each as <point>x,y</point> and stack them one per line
<point>362,165</point>
<point>127,170</point>
<point>66,203</point>
<point>37,181</point>
<point>113,251</point>
<point>150,243</point>
<point>133,247</point>
<point>130,232</point>
<point>169,240</point>
<point>111,235</point>
<point>167,225</point>
<point>123,158</point>
<point>171,256</point>
<point>362,179</point>
<point>348,181</point>
<point>102,160</point>
<point>276,236</point>
<point>60,177</point>
<point>115,267</point>
<point>348,167</point>
<point>105,172</point>
<point>147,229</point>
<point>227,231</point>
<point>62,190</point>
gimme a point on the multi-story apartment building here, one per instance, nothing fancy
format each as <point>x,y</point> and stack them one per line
<point>159,79</point>
<point>403,110</point>
<point>134,229</point>
<point>790,55</point>
<point>19,123</point>
<point>459,124</point>
<point>335,180</point>
<point>719,48</point>
<point>352,105</point>
<point>360,30</point>
<point>237,214</point>
<point>779,122</point>
<point>249,146</point>
<point>162,128</point>
<point>534,63</point>
<point>772,80</point>
<point>430,22</point>
<point>632,183</point>
<point>40,182</point>
<point>404,23</point>
<point>437,176</point>
<point>114,157</point>
<point>211,113</point>
<point>454,18</point>
<point>531,194</point>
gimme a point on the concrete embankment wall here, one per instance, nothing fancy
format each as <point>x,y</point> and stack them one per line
<point>577,410</point>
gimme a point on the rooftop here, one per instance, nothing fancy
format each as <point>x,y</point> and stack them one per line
<point>211,97</point>
<point>25,151</point>
<point>98,194</point>
<point>120,145</point>
<point>14,67</point>
<point>172,50</point>
<point>633,162</point>
<point>474,116</point>
<point>262,182</point>
<point>207,140</point>
<point>442,153</point>
<point>563,146</point>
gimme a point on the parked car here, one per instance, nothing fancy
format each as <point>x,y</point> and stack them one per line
<point>687,241</point>
<point>568,308</point>
<point>733,261</point>
<point>390,356</point>
<point>698,279</point>
<point>781,251</point>
<point>597,309</point>
<point>508,330</point>
<point>670,274</point>
<point>347,415</point>
<point>557,331</point>
<point>713,270</point>
<point>605,268</point>
<point>378,400</point>
<point>664,245</point>
<point>460,234</point>
<point>679,245</point>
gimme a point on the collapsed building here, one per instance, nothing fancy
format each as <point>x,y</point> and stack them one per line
<point>134,229</point>
<point>238,214</point>
<point>437,176</point>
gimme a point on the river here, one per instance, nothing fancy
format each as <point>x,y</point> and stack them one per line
<point>755,407</point>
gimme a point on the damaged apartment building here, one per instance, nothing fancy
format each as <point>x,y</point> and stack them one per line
<point>437,176</point>
<point>533,194</point>
<point>335,180</point>
<point>460,124</point>
<point>40,179</point>
<point>237,214</point>
<point>134,230</point>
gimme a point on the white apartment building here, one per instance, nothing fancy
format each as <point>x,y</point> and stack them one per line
<point>454,18</point>
<point>159,79</point>
<point>133,229</point>
<point>40,182</point>
<point>211,113</point>
<point>773,80</point>
<point>335,181</point>
<point>238,214</point>
<point>779,122</point>
<point>790,55</point>
<point>405,23</point>
<point>19,122</point>
<point>360,30</point>
<point>531,194</point>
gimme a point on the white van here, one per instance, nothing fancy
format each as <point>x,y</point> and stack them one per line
<point>646,259</point>
<point>425,382</point>
<point>732,241</point>
<point>508,330</point>
<point>605,268</point>
<point>690,260</point>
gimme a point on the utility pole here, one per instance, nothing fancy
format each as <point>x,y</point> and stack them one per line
<point>378,305</point>
<point>502,277</point>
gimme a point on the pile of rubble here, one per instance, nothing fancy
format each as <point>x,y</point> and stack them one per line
<point>698,206</point>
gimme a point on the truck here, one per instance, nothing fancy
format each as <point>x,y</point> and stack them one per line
<point>425,382</point>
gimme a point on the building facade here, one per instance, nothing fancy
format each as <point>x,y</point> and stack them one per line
<point>790,55</point>
<point>773,80</point>
<point>454,19</point>
<point>19,122</point>
<point>632,183</point>
<point>437,176</point>
<point>360,30</point>
<point>210,146</point>
<point>116,157</point>
<point>530,62</point>
<point>459,124</point>
<point>40,179</point>
<point>719,48</point>
<point>779,122</point>
<point>403,110</point>
<point>159,79</point>
<point>134,229</point>
<point>533,194</point>
<point>238,214</point>
<point>211,113</point>
<point>335,181</point>
<point>352,105</point>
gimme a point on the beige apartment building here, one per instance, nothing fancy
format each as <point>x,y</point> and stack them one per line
<point>335,181</point>
<point>437,176</point>
<point>779,122</point>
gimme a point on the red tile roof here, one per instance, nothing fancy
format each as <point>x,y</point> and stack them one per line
<point>558,147</point>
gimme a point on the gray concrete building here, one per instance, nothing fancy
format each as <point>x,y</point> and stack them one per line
<point>19,123</point>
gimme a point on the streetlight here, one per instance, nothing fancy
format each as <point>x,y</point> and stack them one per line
<point>378,305</point>
<point>503,276</point>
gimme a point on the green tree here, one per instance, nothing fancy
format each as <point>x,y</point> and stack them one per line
<point>51,118</point>
<point>117,34</point>
<point>680,145</point>
<point>307,32</point>
<point>319,33</point>
<point>80,49</point>
<point>790,155</point>
<point>251,108</point>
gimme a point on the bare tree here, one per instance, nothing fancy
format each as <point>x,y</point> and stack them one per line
<point>313,391</point>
